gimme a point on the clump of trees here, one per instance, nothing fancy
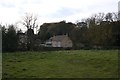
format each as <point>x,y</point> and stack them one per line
<point>48,30</point>
<point>100,31</point>
<point>9,38</point>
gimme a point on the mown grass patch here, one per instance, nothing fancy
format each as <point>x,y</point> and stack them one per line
<point>61,64</point>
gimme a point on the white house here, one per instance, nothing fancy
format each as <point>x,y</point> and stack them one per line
<point>59,41</point>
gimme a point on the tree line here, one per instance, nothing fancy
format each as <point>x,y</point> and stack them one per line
<point>100,31</point>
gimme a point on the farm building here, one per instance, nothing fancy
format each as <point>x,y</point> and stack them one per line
<point>28,40</point>
<point>59,41</point>
<point>22,41</point>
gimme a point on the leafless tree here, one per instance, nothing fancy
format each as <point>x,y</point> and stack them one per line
<point>109,17</point>
<point>98,17</point>
<point>29,21</point>
<point>115,16</point>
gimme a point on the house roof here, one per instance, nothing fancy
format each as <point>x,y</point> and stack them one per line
<point>58,38</point>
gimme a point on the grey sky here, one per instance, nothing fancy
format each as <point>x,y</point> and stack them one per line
<point>12,11</point>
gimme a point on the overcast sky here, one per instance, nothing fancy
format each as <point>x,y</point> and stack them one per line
<point>12,11</point>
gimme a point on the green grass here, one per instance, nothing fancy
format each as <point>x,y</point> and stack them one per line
<point>61,64</point>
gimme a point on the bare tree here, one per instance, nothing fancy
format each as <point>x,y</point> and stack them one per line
<point>98,18</point>
<point>29,21</point>
<point>109,17</point>
<point>115,16</point>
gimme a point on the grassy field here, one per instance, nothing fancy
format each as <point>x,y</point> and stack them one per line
<point>61,64</point>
